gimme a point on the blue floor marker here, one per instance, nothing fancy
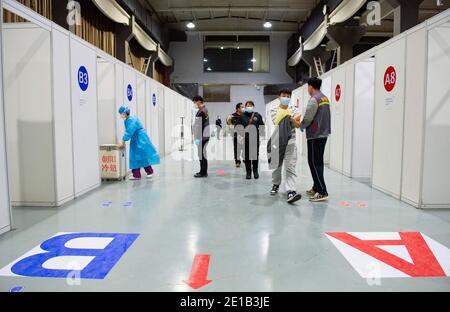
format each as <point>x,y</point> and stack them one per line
<point>127,204</point>
<point>107,204</point>
<point>16,289</point>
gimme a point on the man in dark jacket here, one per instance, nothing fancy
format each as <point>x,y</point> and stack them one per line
<point>218,127</point>
<point>201,135</point>
<point>317,122</point>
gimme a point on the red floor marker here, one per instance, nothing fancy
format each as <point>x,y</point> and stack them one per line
<point>362,204</point>
<point>220,172</point>
<point>346,204</point>
<point>199,272</point>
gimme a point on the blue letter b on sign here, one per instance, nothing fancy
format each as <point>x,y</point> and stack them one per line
<point>98,253</point>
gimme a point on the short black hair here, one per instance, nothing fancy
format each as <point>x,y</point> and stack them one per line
<point>249,102</point>
<point>238,105</point>
<point>197,98</point>
<point>285,91</point>
<point>316,83</point>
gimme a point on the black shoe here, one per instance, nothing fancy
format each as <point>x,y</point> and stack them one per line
<point>249,176</point>
<point>200,175</point>
<point>238,165</point>
<point>256,175</point>
<point>275,190</point>
<point>292,197</point>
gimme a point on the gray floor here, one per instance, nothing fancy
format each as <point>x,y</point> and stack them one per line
<point>256,242</point>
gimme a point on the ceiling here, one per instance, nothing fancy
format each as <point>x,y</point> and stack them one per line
<point>234,15</point>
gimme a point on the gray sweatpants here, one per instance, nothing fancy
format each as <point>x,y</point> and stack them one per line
<point>289,162</point>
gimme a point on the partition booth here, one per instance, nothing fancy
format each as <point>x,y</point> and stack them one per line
<point>5,212</point>
<point>412,105</point>
<point>61,98</point>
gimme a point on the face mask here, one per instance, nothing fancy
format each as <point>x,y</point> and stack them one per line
<point>250,109</point>
<point>285,101</point>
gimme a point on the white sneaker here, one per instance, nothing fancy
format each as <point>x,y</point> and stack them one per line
<point>318,198</point>
<point>149,176</point>
<point>133,178</point>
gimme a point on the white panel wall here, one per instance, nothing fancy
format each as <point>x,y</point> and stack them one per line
<point>161,125</point>
<point>337,119</point>
<point>84,120</point>
<point>129,78</point>
<point>28,105</point>
<point>416,80</point>
<point>389,110</point>
<point>120,99</point>
<point>106,93</point>
<point>62,116</point>
<point>152,113</point>
<point>436,169</point>
<point>5,220</point>
<point>348,119</point>
<point>363,106</point>
<point>141,99</point>
<point>306,98</point>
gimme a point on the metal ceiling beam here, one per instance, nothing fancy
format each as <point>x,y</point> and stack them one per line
<point>237,8</point>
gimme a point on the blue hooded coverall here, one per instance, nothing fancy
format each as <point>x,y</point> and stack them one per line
<point>142,151</point>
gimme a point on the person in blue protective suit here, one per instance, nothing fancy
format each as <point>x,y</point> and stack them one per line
<point>142,152</point>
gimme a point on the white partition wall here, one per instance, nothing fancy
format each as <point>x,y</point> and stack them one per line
<point>28,105</point>
<point>348,107</point>
<point>160,99</point>
<point>120,99</point>
<point>84,116</point>
<point>141,99</point>
<point>106,93</point>
<point>5,217</point>
<point>62,116</point>
<point>338,104</point>
<point>389,110</point>
<point>152,113</point>
<point>358,152</point>
<point>436,165</point>
<point>129,89</point>
<point>306,97</point>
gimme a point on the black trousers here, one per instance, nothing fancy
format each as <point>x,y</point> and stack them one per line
<point>251,164</point>
<point>316,149</point>
<point>237,149</point>
<point>202,156</point>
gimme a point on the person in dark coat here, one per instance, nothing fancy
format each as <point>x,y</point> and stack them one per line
<point>231,121</point>
<point>248,127</point>
<point>201,135</point>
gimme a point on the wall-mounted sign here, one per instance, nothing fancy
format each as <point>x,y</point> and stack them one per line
<point>390,79</point>
<point>83,78</point>
<point>154,99</point>
<point>338,92</point>
<point>130,93</point>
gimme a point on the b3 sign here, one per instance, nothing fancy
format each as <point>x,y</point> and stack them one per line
<point>393,254</point>
<point>92,255</point>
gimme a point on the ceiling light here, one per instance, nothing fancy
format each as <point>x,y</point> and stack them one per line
<point>267,25</point>
<point>238,48</point>
<point>250,69</point>
<point>190,25</point>
<point>221,48</point>
<point>253,60</point>
<point>205,60</point>
<point>209,69</point>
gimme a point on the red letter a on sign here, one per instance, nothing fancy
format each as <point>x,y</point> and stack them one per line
<point>424,262</point>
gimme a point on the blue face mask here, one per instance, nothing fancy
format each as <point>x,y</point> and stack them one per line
<point>285,101</point>
<point>249,109</point>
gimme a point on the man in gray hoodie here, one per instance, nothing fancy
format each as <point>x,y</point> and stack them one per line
<point>317,122</point>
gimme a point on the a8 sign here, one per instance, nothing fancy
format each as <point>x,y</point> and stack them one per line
<point>130,93</point>
<point>390,78</point>
<point>338,92</point>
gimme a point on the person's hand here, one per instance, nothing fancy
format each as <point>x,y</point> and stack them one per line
<point>121,145</point>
